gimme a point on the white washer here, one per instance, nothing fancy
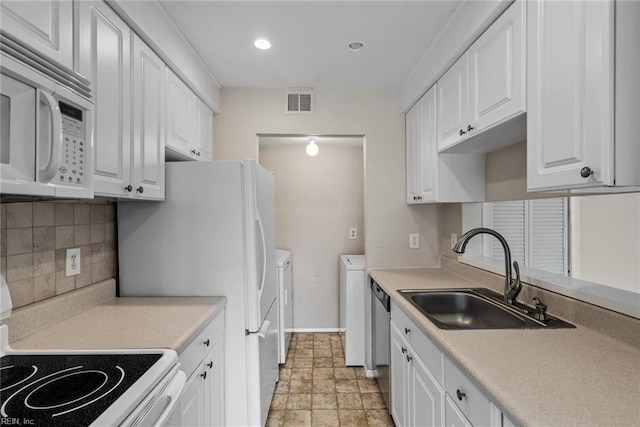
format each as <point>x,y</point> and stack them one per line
<point>352,306</point>
<point>284,264</point>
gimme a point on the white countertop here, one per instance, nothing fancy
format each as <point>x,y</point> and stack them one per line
<point>555,377</point>
<point>123,323</point>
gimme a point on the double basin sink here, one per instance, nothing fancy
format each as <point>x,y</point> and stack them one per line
<point>476,308</point>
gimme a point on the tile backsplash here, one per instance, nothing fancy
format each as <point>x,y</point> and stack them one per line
<point>34,237</point>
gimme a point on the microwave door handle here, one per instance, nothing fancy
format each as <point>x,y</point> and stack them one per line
<point>49,171</point>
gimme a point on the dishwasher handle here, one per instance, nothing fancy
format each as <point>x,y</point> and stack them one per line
<point>381,295</point>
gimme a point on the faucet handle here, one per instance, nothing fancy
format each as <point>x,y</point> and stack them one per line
<point>541,310</point>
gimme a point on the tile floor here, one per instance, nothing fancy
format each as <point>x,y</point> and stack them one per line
<point>317,389</point>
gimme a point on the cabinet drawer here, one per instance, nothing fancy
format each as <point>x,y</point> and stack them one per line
<point>473,404</point>
<point>200,346</point>
<point>429,353</point>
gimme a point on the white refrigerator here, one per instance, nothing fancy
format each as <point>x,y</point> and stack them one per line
<point>214,235</point>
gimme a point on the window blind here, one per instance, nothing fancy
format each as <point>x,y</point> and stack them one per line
<point>536,231</point>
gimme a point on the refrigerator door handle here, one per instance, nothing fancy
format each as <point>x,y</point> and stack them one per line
<point>262,332</point>
<point>264,254</point>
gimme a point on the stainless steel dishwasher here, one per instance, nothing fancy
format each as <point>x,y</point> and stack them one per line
<point>380,318</point>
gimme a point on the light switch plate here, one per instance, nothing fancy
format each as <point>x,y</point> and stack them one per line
<point>73,262</point>
<point>414,241</point>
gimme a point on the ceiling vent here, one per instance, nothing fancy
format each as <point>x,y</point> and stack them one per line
<point>298,102</point>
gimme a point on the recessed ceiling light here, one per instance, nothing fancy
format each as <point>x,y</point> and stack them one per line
<point>262,44</point>
<point>355,46</point>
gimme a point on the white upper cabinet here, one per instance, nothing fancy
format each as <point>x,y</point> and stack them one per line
<point>128,143</point>
<point>148,122</point>
<point>204,129</point>
<point>433,177</point>
<point>189,123</point>
<point>453,103</point>
<point>180,114</point>
<point>46,26</point>
<point>497,80</point>
<point>105,59</point>
<point>482,97</point>
<point>584,94</point>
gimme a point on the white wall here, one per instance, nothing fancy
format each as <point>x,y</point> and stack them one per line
<point>373,113</point>
<point>605,245</point>
<point>317,200</point>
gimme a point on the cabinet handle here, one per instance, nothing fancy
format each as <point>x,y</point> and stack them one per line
<point>128,188</point>
<point>207,342</point>
<point>462,132</point>
<point>409,358</point>
<point>204,375</point>
<point>407,330</point>
<point>470,128</point>
<point>586,172</point>
<point>193,151</point>
<point>419,197</point>
<point>415,198</point>
<point>461,395</point>
<point>140,189</point>
<point>404,350</point>
<point>210,365</point>
<point>198,154</point>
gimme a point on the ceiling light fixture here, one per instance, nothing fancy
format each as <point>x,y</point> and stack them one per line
<point>312,148</point>
<point>262,44</point>
<point>355,46</point>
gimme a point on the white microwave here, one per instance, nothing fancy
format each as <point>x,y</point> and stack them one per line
<point>46,147</point>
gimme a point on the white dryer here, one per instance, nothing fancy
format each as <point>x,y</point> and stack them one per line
<point>284,264</point>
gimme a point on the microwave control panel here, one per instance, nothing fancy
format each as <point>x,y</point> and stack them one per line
<point>72,165</point>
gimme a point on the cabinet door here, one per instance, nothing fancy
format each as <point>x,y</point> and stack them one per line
<point>214,388</point>
<point>46,26</point>
<point>453,417</point>
<point>427,397</point>
<point>399,372</point>
<point>180,107</point>
<point>204,129</point>
<point>453,110</point>
<point>411,153</point>
<point>497,83</point>
<point>191,408</point>
<point>104,41</point>
<point>148,122</point>
<point>570,48</point>
<point>427,170</point>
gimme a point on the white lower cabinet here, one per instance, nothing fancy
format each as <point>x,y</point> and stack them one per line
<point>453,416</point>
<point>202,401</point>
<point>416,396</point>
<point>427,389</point>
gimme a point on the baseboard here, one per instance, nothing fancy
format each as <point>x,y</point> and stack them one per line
<point>316,330</point>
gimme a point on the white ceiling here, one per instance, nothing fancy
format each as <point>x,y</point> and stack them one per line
<point>309,40</point>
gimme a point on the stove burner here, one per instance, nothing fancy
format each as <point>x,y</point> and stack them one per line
<point>66,389</point>
<point>11,376</point>
<point>63,390</point>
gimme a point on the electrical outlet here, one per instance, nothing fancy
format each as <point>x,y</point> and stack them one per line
<point>73,262</point>
<point>353,233</point>
<point>414,241</point>
<point>454,239</point>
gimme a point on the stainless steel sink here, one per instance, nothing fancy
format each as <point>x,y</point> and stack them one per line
<point>475,308</point>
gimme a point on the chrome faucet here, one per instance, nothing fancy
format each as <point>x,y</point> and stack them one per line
<point>511,288</point>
